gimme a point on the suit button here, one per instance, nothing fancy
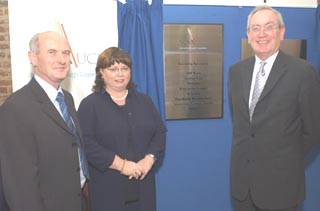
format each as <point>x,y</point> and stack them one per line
<point>249,161</point>
<point>252,135</point>
<point>74,144</point>
<point>78,169</point>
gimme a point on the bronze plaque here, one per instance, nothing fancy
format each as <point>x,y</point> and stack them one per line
<point>193,61</point>
<point>297,48</point>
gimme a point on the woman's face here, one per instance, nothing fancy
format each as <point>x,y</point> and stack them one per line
<point>116,77</point>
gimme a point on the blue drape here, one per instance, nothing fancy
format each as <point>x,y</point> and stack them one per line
<point>140,34</point>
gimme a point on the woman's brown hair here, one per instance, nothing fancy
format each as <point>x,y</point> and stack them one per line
<point>106,59</point>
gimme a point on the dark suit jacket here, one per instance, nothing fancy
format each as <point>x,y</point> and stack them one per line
<point>39,158</point>
<point>3,204</point>
<point>268,153</point>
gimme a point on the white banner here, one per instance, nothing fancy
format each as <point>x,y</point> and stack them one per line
<point>90,27</point>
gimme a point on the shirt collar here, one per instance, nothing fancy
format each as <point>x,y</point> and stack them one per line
<point>48,88</point>
<point>269,61</point>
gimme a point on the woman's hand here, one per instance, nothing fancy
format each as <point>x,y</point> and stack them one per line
<point>145,165</point>
<point>131,169</point>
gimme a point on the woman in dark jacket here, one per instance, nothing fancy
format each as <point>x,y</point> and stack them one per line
<point>124,136</point>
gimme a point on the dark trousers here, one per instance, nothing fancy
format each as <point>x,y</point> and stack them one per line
<point>248,205</point>
<point>133,206</point>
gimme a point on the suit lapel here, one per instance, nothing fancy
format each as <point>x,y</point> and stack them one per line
<point>74,116</point>
<point>46,105</point>
<point>247,71</point>
<point>277,70</point>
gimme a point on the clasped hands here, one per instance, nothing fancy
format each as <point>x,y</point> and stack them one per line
<point>137,170</point>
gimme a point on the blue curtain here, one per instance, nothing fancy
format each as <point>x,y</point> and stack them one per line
<point>140,34</point>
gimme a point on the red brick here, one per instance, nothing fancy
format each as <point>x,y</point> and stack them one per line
<point>5,62</point>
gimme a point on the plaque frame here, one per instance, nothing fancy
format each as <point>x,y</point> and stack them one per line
<point>193,70</point>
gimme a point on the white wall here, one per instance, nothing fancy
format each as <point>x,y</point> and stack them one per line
<point>91,27</point>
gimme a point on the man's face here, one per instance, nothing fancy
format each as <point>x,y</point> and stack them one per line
<point>52,62</point>
<point>264,34</point>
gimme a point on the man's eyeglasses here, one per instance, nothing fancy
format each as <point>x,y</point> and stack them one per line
<point>116,69</point>
<point>267,28</point>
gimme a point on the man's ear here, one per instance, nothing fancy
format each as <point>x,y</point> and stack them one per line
<point>32,58</point>
<point>282,32</point>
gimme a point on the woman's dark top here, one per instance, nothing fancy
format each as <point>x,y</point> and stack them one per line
<point>130,131</point>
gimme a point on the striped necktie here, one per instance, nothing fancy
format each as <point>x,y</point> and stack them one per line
<point>258,87</point>
<point>69,122</point>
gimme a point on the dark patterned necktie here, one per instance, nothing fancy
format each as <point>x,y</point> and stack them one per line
<point>69,122</point>
<point>258,87</point>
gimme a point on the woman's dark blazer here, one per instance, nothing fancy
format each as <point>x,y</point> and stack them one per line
<point>107,130</point>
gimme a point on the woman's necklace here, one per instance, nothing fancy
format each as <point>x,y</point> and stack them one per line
<point>119,99</point>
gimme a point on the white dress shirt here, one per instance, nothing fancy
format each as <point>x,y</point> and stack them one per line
<point>267,70</point>
<point>52,94</point>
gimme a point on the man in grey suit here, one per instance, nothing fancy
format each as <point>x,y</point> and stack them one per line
<point>40,163</point>
<point>273,129</point>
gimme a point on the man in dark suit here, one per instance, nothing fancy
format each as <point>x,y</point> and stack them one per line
<point>40,163</point>
<point>275,128</point>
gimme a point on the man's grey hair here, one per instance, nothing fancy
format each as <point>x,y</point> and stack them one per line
<point>34,43</point>
<point>266,7</point>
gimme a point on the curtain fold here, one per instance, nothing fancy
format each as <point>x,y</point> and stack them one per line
<point>140,32</point>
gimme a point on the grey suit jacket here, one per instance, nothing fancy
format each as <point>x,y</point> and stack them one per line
<point>3,204</point>
<point>268,153</point>
<point>39,157</point>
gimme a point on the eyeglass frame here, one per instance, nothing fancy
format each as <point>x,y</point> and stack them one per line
<point>266,28</point>
<point>117,69</point>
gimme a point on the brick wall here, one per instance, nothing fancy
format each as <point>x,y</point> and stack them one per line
<point>5,62</point>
